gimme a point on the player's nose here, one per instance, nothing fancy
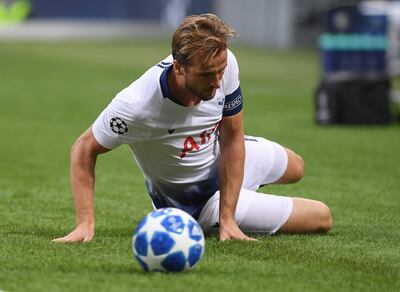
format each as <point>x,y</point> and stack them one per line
<point>216,82</point>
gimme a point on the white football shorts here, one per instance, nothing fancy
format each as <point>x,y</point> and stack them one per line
<point>265,163</point>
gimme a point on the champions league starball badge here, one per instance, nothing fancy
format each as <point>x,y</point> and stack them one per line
<point>118,126</point>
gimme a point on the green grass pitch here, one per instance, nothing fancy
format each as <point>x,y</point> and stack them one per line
<point>50,93</point>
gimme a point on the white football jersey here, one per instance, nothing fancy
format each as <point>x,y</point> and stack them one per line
<point>176,147</point>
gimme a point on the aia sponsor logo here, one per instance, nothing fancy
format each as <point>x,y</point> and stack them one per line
<point>190,144</point>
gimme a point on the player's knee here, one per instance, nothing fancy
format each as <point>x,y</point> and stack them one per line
<point>297,169</point>
<point>300,168</point>
<point>325,220</point>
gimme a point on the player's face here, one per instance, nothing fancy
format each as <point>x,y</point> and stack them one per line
<point>203,80</point>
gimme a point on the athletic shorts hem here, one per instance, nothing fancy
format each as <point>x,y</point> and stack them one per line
<point>285,218</point>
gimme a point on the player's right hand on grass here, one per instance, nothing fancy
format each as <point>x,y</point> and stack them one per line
<point>83,232</point>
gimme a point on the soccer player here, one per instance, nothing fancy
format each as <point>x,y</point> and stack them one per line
<point>183,121</point>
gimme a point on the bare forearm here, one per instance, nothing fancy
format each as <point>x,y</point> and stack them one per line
<point>231,177</point>
<point>83,161</point>
<point>82,183</point>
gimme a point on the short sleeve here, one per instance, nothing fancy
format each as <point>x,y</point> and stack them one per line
<point>233,103</point>
<point>231,76</point>
<point>113,125</point>
<point>233,95</point>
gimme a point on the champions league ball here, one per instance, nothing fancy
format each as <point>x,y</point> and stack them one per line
<point>168,240</point>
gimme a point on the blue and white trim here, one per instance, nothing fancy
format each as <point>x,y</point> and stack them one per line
<point>233,103</point>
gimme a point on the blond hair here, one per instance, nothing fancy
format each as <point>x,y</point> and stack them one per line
<point>199,38</point>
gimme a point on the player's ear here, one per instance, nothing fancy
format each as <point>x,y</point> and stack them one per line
<point>178,67</point>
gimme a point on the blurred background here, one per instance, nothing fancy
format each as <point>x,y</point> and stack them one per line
<point>281,24</point>
<point>358,41</point>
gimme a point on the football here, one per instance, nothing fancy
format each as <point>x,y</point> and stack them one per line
<point>168,240</point>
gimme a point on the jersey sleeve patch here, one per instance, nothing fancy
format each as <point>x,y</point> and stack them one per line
<point>118,126</point>
<point>111,128</point>
<point>233,103</point>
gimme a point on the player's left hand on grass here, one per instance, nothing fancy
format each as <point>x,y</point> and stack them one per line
<point>82,233</point>
<point>230,231</point>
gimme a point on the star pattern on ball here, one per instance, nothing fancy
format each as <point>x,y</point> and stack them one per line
<point>168,240</point>
<point>118,126</point>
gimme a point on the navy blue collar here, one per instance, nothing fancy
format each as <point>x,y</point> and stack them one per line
<point>164,83</point>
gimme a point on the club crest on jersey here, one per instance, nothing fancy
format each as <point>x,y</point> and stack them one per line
<point>118,126</point>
